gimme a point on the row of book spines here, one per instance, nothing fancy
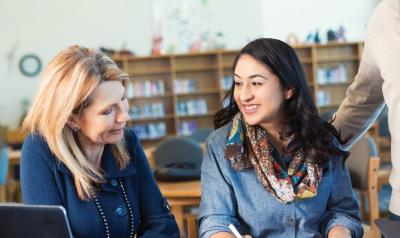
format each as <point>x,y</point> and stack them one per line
<point>158,130</point>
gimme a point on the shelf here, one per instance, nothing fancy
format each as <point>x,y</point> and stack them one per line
<point>199,92</point>
<point>305,60</point>
<point>334,59</point>
<point>139,58</point>
<point>337,44</point>
<point>207,69</point>
<point>166,117</point>
<point>302,60</point>
<point>334,84</point>
<point>199,115</point>
<point>196,68</point>
<point>150,72</point>
<point>166,95</point>
<point>227,66</point>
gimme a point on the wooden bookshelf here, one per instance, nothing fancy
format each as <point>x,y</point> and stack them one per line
<point>190,87</point>
<point>339,63</point>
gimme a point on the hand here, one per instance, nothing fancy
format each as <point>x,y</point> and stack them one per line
<point>339,232</point>
<point>227,235</point>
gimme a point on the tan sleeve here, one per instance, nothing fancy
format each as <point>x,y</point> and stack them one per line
<point>364,100</point>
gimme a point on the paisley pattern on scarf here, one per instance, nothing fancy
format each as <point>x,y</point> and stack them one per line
<point>299,181</point>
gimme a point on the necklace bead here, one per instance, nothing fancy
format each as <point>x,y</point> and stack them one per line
<point>130,211</point>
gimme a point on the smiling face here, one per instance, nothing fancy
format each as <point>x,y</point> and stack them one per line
<point>258,93</point>
<point>103,121</point>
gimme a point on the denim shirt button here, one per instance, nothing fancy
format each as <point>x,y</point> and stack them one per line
<point>121,211</point>
<point>114,182</point>
<point>290,220</point>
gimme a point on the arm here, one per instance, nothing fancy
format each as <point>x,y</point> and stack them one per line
<point>218,203</point>
<point>157,221</point>
<point>38,183</point>
<point>342,209</point>
<point>364,100</point>
<point>222,235</point>
<point>339,232</point>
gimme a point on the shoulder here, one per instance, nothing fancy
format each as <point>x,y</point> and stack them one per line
<point>337,161</point>
<point>216,143</point>
<point>35,143</point>
<point>218,137</point>
<point>35,148</point>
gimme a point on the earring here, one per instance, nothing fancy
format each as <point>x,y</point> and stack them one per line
<point>75,129</point>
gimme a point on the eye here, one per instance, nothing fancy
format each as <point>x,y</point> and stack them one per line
<point>123,98</point>
<point>256,83</point>
<point>238,84</point>
<point>107,112</point>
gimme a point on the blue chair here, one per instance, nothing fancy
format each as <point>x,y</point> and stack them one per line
<point>3,172</point>
<point>177,159</point>
<point>201,134</point>
<point>363,164</point>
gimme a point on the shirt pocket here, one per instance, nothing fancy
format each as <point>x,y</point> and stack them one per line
<point>315,207</point>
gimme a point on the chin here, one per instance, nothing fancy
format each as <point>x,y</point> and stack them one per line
<point>114,139</point>
<point>252,121</point>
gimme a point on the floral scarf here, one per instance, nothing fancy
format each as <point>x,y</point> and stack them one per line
<point>301,179</point>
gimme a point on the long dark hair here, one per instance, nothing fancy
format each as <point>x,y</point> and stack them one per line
<point>311,134</point>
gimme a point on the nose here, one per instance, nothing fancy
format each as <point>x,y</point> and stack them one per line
<point>246,93</point>
<point>122,115</point>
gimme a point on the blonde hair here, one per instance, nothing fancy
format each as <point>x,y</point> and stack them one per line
<point>65,86</point>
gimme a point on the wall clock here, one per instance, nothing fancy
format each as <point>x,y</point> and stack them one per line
<point>30,65</point>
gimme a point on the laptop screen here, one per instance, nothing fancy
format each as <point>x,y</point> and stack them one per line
<point>26,221</point>
<point>389,229</point>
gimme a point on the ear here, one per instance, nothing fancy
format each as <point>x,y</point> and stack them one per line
<point>289,93</point>
<point>72,121</point>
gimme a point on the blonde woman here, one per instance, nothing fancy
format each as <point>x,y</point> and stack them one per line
<point>79,154</point>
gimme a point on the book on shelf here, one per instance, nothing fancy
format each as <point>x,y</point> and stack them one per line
<point>323,98</point>
<point>186,128</point>
<point>150,130</point>
<point>184,85</point>
<point>332,75</point>
<point>226,82</point>
<point>191,107</point>
<point>145,88</point>
<point>151,110</point>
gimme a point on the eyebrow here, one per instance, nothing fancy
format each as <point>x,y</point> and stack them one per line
<point>111,104</point>
<point>252,76</point>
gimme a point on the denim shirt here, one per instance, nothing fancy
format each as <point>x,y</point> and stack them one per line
<point>47,181</point>
<point>233,197</point>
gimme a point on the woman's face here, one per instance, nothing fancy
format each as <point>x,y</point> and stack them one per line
<point>103,121</point>
<point>258,92</point>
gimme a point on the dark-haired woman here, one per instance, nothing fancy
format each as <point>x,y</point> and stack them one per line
<point>273,167</point>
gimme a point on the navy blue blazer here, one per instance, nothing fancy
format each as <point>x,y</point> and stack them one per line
<point>45,180</point>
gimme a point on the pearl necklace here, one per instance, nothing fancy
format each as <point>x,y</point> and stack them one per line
<point>103,217</point>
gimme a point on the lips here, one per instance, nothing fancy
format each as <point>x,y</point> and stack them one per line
<point>250,108</point>
<point>117,131</point>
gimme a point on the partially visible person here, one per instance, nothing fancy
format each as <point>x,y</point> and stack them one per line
<point>273,167</point>
<point>80,155</point>
<point>377,83</point>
